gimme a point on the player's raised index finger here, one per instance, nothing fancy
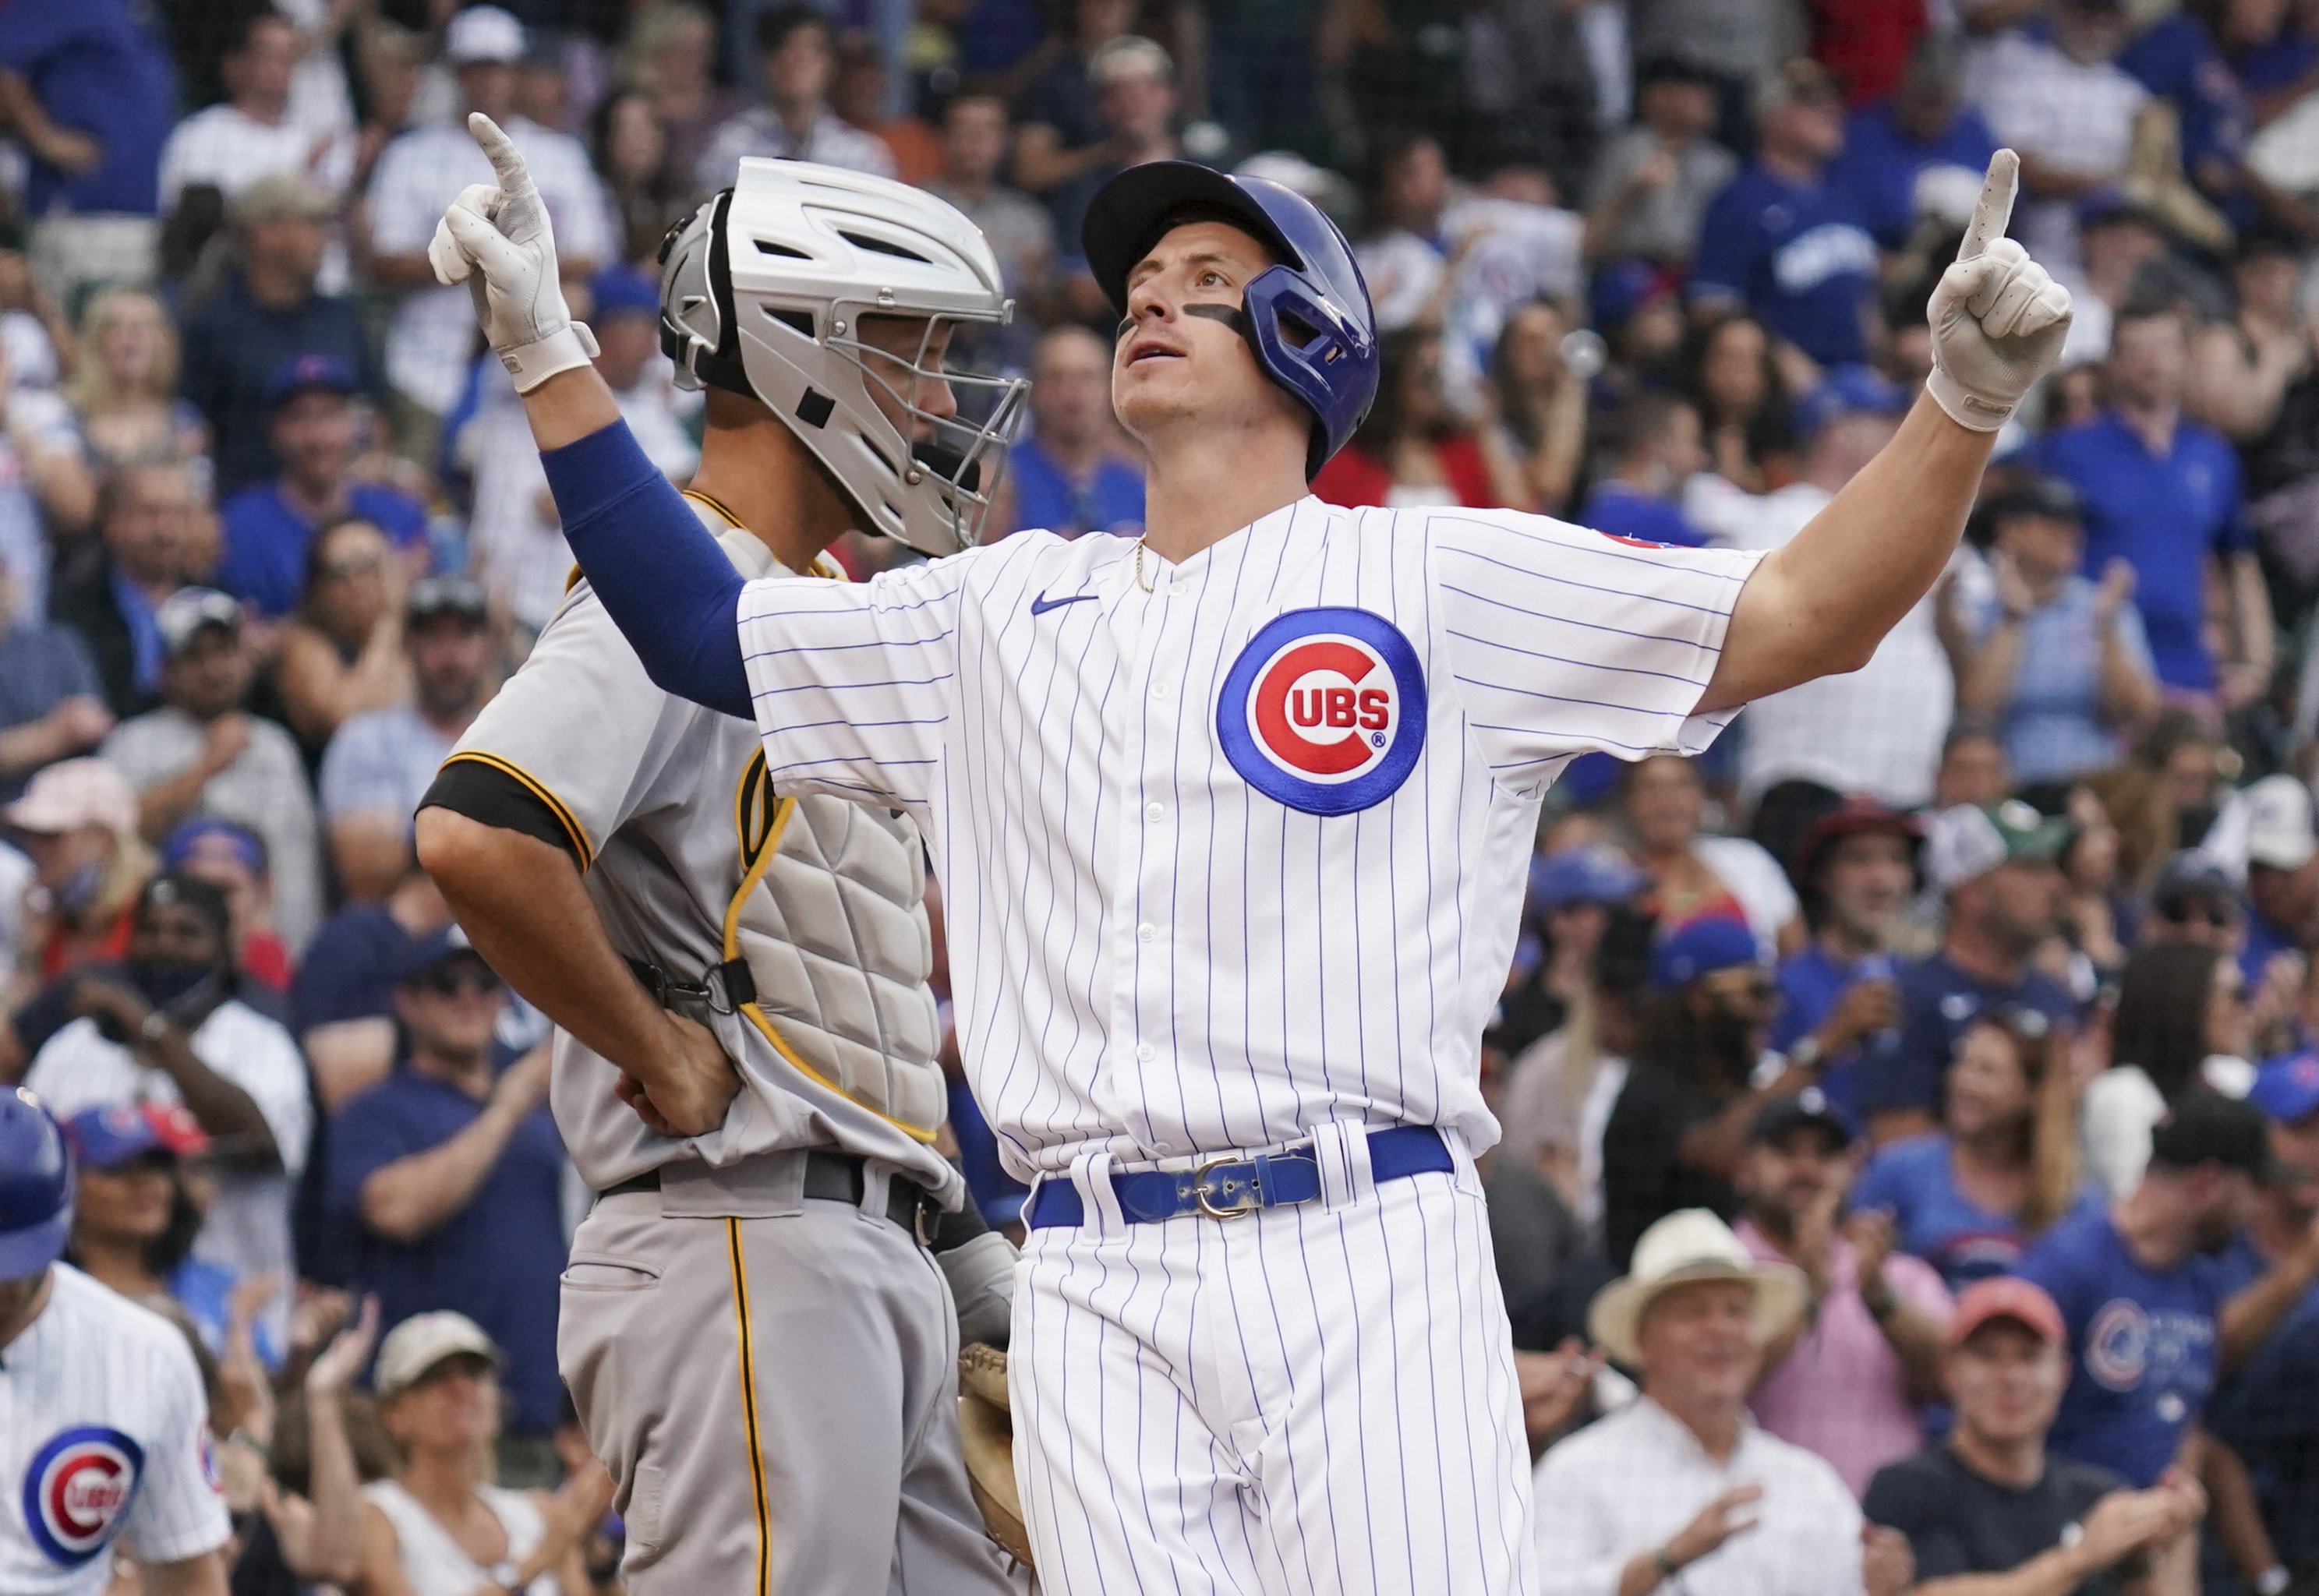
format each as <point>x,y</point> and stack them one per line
<point>507,160</point>
<point>1994,208</point>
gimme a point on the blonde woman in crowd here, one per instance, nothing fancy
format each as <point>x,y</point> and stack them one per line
<point>438,1527</point>
<point>124,391</point>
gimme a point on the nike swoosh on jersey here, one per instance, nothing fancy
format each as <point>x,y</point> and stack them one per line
<point>1042,604</point>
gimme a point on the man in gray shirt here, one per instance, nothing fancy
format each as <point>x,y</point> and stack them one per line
<point>201,751</point>
<point>1652,181</point>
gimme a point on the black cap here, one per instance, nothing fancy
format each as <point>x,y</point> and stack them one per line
<point>432,596</point>
<point>2208,1128</point>
<point>1809,1106</point>
<point>2192,876</point>
<point>1672,65</point>
<point>2047,496</point>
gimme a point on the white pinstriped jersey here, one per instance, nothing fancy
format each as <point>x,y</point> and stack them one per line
<point>1242,855</point>
<point>103,1442</point>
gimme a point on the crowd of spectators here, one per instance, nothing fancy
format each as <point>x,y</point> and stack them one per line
<point>1911,1168</point>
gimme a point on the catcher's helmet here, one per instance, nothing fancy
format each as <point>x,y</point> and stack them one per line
<point>36,1185</point>
<point>1308,319</point>
<point>763,290</point>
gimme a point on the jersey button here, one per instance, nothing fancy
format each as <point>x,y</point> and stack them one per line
<point>1147,932</point>
<point>1146,1054</point>
<point>1159,689</point>
<point>1155,810</point>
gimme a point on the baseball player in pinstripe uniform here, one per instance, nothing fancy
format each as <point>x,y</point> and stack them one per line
<point>105,1433</point>
<point>1231,823</point>
<point>762,1345</point>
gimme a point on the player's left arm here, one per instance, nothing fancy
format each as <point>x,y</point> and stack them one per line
<point>1819,604</point>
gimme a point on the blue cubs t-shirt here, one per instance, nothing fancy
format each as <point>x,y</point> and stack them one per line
<point>2163,514</point>
<point>1796,254</point>
<point>1623,511</point>
<point>2269,1413</point>
<point>2142,1345</point>
<point>1882,161</point>
<point>266,540</point>
<point>1905,1069</point>
<point>1915,1181</point>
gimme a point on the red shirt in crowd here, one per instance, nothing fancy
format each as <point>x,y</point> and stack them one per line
<point>1356,477</point>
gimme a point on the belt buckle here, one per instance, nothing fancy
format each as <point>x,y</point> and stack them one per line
<point>1247,1202</point>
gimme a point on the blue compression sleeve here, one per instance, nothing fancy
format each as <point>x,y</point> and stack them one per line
<point>665,582</point>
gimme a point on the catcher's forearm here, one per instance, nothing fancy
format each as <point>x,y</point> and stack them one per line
<point>523,903</point>
<point>661,578</point>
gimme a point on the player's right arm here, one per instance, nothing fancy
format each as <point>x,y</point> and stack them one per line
<point>557,762</point>
<point>849,686</point>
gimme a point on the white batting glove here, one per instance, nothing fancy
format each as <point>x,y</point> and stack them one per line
<point>1998,318</point>
<point>499,243</point>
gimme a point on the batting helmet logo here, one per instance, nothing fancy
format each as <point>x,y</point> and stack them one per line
<point>1324,710</point>
<point>77,1489</point>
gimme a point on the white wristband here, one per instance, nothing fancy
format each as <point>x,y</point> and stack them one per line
<point>569,345</point>
<point>2271,1580</point>
<point>1970,410</point>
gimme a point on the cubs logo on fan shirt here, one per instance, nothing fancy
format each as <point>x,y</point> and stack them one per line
<point>78,1488</point>
<point>1324,710</point>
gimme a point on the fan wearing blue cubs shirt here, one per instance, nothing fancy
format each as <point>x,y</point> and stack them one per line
<point>2141,1289</point>
<point>1229,819</point>
<point>104,1440</point>
<point>1784,239</point>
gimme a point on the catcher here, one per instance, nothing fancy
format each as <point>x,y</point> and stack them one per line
<point>753,1326</point>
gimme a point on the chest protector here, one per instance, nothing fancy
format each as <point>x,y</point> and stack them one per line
<point>829,914</point>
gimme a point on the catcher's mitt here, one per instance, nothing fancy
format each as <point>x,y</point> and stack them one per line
<point>986,1430</point>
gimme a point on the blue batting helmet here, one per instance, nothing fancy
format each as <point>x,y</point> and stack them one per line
<point>36,1185</point>
<point>1308,318</point>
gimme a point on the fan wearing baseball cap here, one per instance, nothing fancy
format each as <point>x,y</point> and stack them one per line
<point>1677,1133</point>
<point>2282,877</point>
<point>2143,1295</point>
<point>1990,1499</point>
<point>1857,870</point>
<point>1998,869</point>
<point>2262,1411</point>
<point>1847,1384</point>
<point>316,427</point>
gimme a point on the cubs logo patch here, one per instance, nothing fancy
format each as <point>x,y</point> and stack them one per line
<point>2117,1344</point>
<point>77,1490</point>
<point>1324,710</point>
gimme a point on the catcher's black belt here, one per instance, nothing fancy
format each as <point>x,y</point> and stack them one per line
<point>837,1177</point>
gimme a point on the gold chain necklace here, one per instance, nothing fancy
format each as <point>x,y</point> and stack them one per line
<point>1140,583</point>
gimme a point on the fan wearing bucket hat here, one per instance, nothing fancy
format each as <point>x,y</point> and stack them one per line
<point>1450,666</point>
<point>1651,1497</point>
<point>437,1380</point>
<point>106,1442</point>
<point>1998,869</point>
<point>1990,1500</point>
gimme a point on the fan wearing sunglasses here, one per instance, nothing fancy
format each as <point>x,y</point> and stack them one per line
<point>449,1172</point>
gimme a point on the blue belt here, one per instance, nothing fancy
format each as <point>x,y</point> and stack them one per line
<point>1226,1188</point>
